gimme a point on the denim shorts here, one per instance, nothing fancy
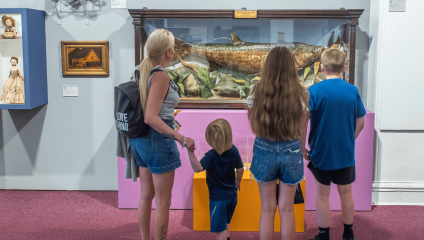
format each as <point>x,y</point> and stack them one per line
<point>274,160</point>
<point>221,213</point>
<point>156,152</point>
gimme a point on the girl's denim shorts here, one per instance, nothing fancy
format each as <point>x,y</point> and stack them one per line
<point>274,160</point>
<point>156,152</point>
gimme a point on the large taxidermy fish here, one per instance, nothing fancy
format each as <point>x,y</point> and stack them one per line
<point>246,56</point>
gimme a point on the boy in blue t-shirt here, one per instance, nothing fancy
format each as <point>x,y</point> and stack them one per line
<point>337,118</point>
<point>219,164</point>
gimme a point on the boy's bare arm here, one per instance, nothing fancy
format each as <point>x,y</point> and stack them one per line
<point>360,123</point>
<point>303,129</point>
<point>195,164</point>
<point>239,177</point>
<point>239,174</point>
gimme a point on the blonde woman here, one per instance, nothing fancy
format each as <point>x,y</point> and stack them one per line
<point>278,115</point>
<point>157,154</point>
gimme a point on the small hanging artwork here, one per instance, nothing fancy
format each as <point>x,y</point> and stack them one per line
<point>85,58</point>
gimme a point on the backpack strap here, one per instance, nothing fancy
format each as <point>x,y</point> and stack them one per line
<point>159,70</point>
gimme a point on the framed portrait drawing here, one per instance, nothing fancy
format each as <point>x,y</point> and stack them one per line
<point>85,58</point>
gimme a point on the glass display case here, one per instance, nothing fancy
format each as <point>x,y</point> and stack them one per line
<point>23,75</point>
<point>219,57</point>
<point>244,144</point>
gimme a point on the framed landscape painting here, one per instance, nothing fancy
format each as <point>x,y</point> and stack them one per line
<point>85,58</point>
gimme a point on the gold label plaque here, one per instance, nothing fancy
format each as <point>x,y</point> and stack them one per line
<point>245,14</point>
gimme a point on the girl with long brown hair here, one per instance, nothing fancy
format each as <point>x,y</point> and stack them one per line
<point>278,114</point>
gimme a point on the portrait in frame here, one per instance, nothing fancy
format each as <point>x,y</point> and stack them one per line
<point>85,58</point>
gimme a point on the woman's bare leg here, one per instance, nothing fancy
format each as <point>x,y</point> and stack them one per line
<point>147,193</point>
<point>163,189</point>
<point>286,210</point>
<point>268,207</point>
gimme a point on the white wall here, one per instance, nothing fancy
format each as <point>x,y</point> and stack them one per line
<point>401,64</point>
<point>70,142</point>
<point>395,81</point>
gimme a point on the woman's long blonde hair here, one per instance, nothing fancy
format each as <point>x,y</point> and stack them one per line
<point>156,46</point>
<point>279,100</point>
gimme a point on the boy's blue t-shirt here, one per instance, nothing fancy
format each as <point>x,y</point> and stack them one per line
<point>220,173</point>
<point>335,105</point>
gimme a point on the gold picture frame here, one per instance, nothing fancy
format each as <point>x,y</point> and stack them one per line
<point>85,58</point>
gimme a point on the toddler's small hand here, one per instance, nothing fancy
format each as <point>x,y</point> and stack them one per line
<point>305,154</point>
<point>190,144</point>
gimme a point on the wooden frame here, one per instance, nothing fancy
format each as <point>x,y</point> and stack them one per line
<point>139,15</point>
<point>85,58</point>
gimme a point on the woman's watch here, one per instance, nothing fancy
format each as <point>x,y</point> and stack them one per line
<point>183,145</point>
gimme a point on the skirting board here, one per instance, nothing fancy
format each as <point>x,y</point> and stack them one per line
<point>398,193</point>
<point>59,182</point>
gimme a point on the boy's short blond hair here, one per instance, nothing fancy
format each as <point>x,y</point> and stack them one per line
<point>219,135</point>
<point>333,60</point>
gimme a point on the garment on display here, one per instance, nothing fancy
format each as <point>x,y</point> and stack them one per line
<point>218,57</point>
<point>9,31</point>
<point>13,89</point>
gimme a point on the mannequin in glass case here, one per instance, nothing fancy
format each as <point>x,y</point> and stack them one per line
<point>10,31</point>
<point>13,89</point>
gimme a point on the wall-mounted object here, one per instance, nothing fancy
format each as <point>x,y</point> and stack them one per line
<point>85,58</point>
<point>82,2</point>
<point>23,70</point>
<point>397,6</point>
<point>218,69</point>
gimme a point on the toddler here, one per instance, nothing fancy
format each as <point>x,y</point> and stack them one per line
<point>219,163</point>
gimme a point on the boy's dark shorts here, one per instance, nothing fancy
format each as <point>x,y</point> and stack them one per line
<point>342,176</point>
<point>221,213</point>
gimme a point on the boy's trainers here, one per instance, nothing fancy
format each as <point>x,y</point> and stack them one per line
<point>354,238</point>
<point>317,238</point>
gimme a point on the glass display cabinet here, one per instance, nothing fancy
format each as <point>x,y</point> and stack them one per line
<point>219,54</point>
<point>243,143</point>
<point>23,71</point>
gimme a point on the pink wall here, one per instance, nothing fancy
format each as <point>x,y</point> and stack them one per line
<point>194,123</point>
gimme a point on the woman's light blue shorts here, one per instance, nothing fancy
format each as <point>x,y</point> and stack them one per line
<point>156,152</point>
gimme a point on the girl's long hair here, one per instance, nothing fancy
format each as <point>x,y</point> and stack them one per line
<point>156,46</point>
<point>279,100</point>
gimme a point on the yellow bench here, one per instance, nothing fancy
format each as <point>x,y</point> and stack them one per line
<point>248,211</point>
